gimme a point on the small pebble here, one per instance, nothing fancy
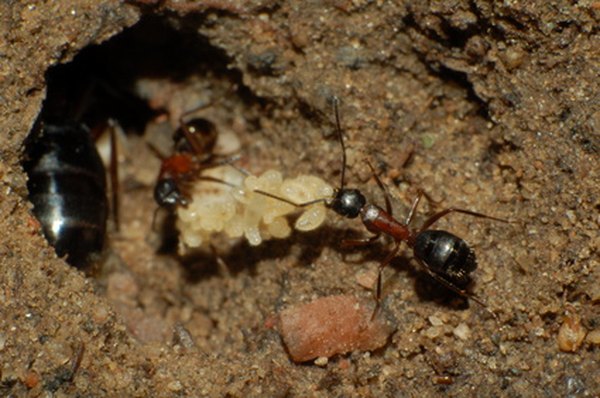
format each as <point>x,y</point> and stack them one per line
<point>433,332</point>
<point>366,278</point>
<point>332,325</point>
<point>32,379</point>
<point>175,386</point>
<point>593,337</point>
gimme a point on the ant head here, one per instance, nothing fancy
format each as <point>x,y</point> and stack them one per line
<point>348,202</point>
<point>167,193</point>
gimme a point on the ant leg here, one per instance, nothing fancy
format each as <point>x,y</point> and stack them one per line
<point>413,208</point>
<point>158,208</point>
<point>431,220</point>
<point>386,194</point>
<point>223,267</point>
<point>192,111</point>
<point>76,362</point>
<point>456,289</point>
<point>347,243</point>
<point>222,161</point>
<point>114,172</point>
<point>156,151</point>
<point>382,265</point>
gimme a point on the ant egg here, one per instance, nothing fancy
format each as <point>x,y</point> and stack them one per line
<point>240,212</point>
<point>303,189</point>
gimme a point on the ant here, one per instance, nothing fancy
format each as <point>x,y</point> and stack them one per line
<point>447,258</point>
<point>66,177</point>
<point>195,141</point>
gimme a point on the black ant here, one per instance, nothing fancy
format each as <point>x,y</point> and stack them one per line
<point>68,190</point>
<point>67,187</point>
<point>444,256</point>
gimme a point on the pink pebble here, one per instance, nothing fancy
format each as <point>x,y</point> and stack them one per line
<point>332,325</point>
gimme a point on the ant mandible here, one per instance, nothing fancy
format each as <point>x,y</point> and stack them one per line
<point>447,258</point>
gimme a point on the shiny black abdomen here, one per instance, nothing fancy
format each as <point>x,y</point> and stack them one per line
<point>67,186</point>
<point>446,255</point>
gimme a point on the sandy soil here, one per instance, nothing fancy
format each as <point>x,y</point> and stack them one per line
<point>498,106</point>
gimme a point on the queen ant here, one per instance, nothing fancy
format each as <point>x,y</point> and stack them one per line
<point>67,182</point>
<point>447,258</point>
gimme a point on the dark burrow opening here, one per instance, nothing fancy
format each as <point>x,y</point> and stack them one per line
<point>145,79</point>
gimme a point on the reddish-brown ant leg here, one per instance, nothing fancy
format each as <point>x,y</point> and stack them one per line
<point>382,265</point>
<point>114,173</point>
<point>222,160</point>
<point>347,243</point>
<point>192,111</point>
<point>76,362</point>
<point>431,220</point>
<point>388,202</point>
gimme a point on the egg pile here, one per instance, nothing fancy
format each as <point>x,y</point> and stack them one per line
<point>236,210</point>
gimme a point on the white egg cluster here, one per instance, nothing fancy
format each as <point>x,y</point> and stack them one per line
<point>237,210</point>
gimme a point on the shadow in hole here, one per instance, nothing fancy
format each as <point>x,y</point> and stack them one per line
<point>243,257</point>
<point>153,48</point>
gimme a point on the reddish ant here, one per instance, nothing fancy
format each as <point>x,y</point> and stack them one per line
<point>195,141</point>
<point>444,256</point>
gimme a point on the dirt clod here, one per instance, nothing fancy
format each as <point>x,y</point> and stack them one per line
<point>332,325</point>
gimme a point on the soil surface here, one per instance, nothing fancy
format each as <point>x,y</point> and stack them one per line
<point>488,106</point>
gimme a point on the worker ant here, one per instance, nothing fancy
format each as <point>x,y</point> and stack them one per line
<point>447,258</point>
<point>195,141</point>
<point>67,181</point>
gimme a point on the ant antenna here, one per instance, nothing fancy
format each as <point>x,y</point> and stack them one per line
<point>340,134</point>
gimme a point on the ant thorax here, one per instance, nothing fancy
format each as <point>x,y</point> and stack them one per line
<point>238,211</point>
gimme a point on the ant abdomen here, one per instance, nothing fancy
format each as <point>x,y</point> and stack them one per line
<point>68,190</point>
<point>447,255</point>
